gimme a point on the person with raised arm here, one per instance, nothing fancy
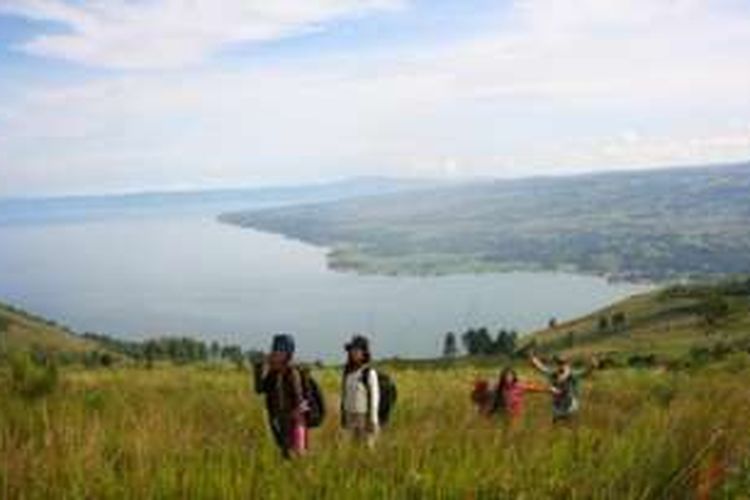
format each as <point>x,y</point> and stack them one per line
<point>564,381</point>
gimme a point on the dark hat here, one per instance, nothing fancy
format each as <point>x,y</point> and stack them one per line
<point>358,342</point>
<point>283,343</point>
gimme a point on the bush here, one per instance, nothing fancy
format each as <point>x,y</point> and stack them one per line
<point>32,376</point>
<point>642,360</point>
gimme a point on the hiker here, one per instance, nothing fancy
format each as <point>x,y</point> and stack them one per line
<point>564,380</point>
<point>509,394</point>
<point>282,384</point>
<point>360,392</point>
<point>482,397</point>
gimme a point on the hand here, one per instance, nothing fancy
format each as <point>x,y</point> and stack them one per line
<point>297,415</point>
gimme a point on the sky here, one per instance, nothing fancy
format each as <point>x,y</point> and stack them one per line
<point>128,95</point>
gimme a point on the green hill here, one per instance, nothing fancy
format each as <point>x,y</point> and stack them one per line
<point>658,225</point>
<point>673,323</point>
<point>24,331</point>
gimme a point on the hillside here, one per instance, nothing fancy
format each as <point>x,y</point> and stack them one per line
<point>21,330</point>
<point>678,323</point>
<point>174,430</point>
<point>657,225</point>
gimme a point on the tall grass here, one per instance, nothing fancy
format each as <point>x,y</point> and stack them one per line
<point>192,432</point>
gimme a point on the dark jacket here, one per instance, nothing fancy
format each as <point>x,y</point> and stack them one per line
<point>283,390</point>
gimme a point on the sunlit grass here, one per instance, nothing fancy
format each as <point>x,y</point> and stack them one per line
<point>194,432</point>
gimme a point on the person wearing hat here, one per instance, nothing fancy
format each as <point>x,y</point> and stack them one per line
<point>360,392</point>
<point>281,382</point>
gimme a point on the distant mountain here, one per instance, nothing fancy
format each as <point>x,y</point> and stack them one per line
<point>210,202</point>
<point>659,225</point>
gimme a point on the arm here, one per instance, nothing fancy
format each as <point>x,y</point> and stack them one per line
<point>537,363</point>
<point>297,388</point>
<point>374,395</point>
<point>259,378</point>
<point>535,387</point>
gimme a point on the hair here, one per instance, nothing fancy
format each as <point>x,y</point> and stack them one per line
<point>351,367</point>
<point>502,385</point>
<point>504,374</point>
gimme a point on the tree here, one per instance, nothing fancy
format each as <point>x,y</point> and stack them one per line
<point>603,323</point>
<point>505,342</point>
<point>151,352</point>
<point>619,321</point>
<point>255,356</point>
<point>477,341</point>
<point>714,308</point>
<point>234,354</point>
<point>450,345</point>
<point>215,350</point>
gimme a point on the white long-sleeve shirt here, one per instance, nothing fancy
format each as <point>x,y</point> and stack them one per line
<point>357,398</point>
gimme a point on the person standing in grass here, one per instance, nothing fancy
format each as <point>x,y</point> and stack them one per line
<point>509,395</point>
<point>565,381</point>
<point>360,392</point>
<point>483,398</point>
<point>282,384</point>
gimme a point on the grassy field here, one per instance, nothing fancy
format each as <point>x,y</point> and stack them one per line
<point>197,432</point>
<point>667,430</point>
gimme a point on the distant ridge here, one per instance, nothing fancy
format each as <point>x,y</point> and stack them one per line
<point>664,224</point>
<point>210,201</point>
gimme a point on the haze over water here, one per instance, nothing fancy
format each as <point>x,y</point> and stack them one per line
<point>190,275</point>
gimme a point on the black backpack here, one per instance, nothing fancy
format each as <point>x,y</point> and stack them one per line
<point>316,407</point>
<point>388,393</point>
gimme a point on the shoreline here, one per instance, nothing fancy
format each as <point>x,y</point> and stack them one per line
<point>346,258</point>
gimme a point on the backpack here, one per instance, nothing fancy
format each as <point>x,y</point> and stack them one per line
<point>316,407</point>
<point>388,394</point>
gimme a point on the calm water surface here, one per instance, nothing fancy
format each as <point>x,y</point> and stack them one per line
<point>140,277</point>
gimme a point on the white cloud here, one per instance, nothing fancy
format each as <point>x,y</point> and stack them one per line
<point>656,83</point>
<point>173,33</point>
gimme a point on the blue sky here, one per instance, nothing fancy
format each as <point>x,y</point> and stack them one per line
<point>117,95</point>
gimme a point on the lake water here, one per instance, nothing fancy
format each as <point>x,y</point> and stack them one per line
<point>190,275</point>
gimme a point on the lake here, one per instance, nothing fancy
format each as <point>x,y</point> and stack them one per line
<point>155,275</point>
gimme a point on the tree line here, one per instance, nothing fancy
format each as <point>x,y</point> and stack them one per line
<point>479,341</point>
<point>179,350</point>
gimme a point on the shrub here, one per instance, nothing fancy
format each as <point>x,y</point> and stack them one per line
<point>642,360</point>
<point>32,376</point>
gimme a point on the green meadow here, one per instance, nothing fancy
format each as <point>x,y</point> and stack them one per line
<point>675,427</point>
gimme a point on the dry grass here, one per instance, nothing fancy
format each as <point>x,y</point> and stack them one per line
<point>193,432</point>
